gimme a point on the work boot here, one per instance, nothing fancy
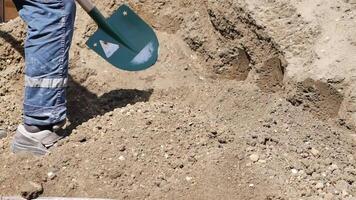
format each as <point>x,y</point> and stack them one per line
<point>35,139</point>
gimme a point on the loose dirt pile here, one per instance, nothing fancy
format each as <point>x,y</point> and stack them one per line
<point>218,117</point>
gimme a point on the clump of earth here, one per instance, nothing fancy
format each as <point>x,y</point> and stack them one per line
<point>248,100</point>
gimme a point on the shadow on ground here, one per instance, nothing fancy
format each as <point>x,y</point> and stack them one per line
<point>84,105</point>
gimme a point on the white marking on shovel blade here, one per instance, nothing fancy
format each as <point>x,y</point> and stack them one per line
<point>144,55</point>
<point>109,48</point>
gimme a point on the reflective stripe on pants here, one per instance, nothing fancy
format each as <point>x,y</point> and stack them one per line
<point>46,82</point>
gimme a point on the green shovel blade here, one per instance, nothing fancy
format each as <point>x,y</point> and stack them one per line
<point>134,46</point>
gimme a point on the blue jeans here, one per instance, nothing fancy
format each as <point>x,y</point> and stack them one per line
<point>50,29</point>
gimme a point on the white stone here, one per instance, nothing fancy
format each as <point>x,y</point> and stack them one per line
<point>254,157</point>
<point>315,152</point>
<point>188,178</point>
<point>319,185</point>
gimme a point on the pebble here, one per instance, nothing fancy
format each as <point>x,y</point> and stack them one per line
<point>315,152</point>
<point>327,39</point>
<point>31,190</point>
<point>122,158</point>
<point>122,148</point>
<point>333,167</point>
<point>319,185</point>
<point>262,161</point>
<point>3,134</point>
<point>254,157</point>
<point>51,175</point>
<point>188,178</point>
<point>81,138</point>
<point>294,171</point>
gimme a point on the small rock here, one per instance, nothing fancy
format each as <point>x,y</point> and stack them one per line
<point>164,111</point>
<point>315,152</point>
<point>72,186</point>
<point>294,171</point>
<point>188,178</point>
<point>262,161</point>
<point>222,141</point>
<point>51,175</point>
<point>319,185</point>
<point>3,134</point>
<point>31,190</point>
<point>122,148</point>
<point>214,132</point>
<point>333,167</point>
<point>254,157</point>
<point>122,158</point>
<point>81,138</point>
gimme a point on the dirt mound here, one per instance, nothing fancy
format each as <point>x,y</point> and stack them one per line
<point>215,118</point>
<point>222,148</point>
<point>317,97</point>
<point>228,38</point>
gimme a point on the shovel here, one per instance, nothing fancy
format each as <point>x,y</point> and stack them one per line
<point>124,39</point>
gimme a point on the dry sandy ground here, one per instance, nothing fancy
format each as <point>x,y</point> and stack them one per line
<point>249,100</point>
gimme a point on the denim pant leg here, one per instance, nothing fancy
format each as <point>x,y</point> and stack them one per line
<point>50,30</point>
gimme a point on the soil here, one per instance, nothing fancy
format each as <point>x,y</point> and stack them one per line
<point>248,100</point>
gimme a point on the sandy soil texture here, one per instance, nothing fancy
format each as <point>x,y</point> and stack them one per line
<point>248,100</point>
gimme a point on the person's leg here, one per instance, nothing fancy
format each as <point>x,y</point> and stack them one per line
<point>50,29</point>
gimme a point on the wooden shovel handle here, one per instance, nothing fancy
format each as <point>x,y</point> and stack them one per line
<point>87,5</point>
